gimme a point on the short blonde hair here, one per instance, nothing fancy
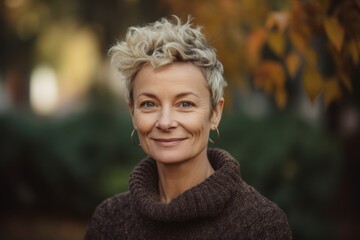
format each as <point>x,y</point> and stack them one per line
<point>163,42</point>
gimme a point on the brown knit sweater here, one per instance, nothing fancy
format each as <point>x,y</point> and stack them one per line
<point>221,207</point>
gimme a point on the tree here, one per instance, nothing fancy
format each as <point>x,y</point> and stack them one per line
<point>317,42</point>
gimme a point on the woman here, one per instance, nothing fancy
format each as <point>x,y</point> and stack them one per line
<point>182,190</point>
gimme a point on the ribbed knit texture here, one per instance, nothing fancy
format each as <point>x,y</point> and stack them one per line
<point>221,207</point>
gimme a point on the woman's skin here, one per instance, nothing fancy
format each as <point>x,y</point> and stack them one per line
<point>173,116</point>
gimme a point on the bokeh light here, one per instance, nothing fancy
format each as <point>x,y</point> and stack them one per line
<point>43,90</point>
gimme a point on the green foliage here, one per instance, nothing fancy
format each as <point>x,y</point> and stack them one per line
<point>62,163</point>
<point>293,163</point>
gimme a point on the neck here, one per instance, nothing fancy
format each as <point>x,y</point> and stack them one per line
<point>174,179</point>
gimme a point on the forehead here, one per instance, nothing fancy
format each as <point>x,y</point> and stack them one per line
<point>172,78</point>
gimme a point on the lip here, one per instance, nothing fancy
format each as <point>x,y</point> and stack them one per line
<point>168,141</point>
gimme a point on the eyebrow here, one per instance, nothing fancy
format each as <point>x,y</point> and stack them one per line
<point>184,94</point>
<point>180,95</point>
<point>150,95</point>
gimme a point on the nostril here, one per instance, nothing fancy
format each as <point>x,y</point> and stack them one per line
<point>166,124</point>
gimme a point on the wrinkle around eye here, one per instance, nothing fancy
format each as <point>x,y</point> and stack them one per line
<point>185,105</point>
<point>147,105</point>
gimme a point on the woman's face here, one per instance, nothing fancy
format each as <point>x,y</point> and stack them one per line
<point>172,112</point>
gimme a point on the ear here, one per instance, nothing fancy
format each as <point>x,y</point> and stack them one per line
<point>217,113</point>
<point>130,107</point>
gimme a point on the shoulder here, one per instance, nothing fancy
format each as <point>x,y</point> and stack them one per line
<point>108,214</point>
<point>117,202</point>
<point>265,220</point>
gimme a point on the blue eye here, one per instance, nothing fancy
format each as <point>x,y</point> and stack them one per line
<point>147,104</point>
<point>186,104</point>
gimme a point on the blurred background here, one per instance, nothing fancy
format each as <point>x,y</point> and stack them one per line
<point>291,119</point>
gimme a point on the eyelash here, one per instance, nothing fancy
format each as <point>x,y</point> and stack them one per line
<point>145,103</point>
<point>189,104</point>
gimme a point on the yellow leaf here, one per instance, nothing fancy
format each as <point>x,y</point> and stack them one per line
<point>255,42</point>
<point>276,41</point>
<point>335,32</point>
<point>332,91</point>
<point>298,40</point>
<point>313,83</point>
<point>270,76</point>
<point>345,80</point>
<point>293,62</point>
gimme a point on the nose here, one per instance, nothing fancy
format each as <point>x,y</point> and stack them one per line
<point>166,120</point>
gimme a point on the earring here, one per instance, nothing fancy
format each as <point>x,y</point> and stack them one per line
<point>218,135</point>
<point>132,138</point>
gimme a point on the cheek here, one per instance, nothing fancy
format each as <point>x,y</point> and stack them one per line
<point>143,123</point>
<point>198,124</point>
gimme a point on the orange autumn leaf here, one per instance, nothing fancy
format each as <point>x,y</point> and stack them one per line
<point>335,32</point>
<point>255,42</point>
<point>293,62</point>
<point>298,40</point>
<point>313,83</point>
<point>270,76</point>
<point>228,7</point>
<point>270,22</point>
<point>332,91</point>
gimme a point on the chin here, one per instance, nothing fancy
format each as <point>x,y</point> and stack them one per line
<point>170,156</point>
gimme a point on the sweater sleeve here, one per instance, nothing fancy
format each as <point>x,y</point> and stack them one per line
<point>108,219</point>
<point>271,224</point>
<point>267,220</point>
<point>274,226</point>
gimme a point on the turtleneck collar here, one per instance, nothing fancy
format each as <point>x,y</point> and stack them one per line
<point>203,200</point>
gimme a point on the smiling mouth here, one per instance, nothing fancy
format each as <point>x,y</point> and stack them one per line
<point>168,140</point>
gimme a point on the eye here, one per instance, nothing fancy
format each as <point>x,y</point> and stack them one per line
<point>186,104</point>
<point>147,104</point>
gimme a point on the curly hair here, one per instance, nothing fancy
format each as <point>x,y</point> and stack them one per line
<point>164,42</point>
